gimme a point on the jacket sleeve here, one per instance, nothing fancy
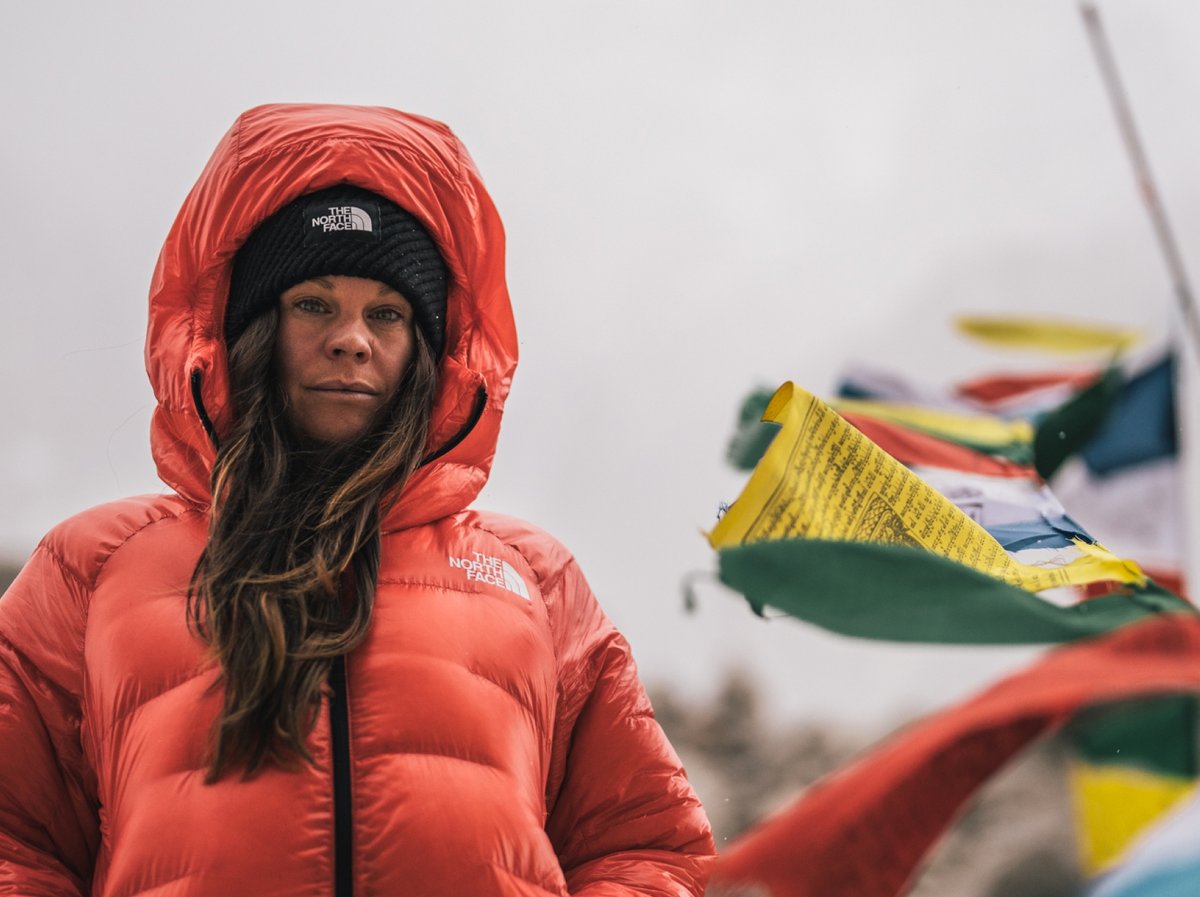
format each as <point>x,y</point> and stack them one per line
<point>623,818</point>
<point>48,823</point>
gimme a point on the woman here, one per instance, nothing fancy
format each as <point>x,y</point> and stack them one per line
<point>309,669</point>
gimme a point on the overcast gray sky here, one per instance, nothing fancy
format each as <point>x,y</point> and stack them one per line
<point>700,197</point>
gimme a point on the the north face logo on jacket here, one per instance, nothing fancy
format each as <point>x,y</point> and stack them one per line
<point>493,571</point>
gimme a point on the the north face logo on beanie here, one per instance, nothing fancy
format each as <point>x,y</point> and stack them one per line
<point>322,219</point>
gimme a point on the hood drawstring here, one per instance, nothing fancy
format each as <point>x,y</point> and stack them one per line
<point>464,431</point>
<point>198,399</point>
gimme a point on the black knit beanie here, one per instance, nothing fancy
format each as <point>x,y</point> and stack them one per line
<point>342,230</point>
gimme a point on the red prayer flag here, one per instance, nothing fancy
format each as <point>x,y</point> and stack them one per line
<point>862,831</point>
<point>912,447</point>
<point>996,389</point>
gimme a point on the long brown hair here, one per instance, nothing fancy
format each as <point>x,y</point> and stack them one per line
<point>286,581</point>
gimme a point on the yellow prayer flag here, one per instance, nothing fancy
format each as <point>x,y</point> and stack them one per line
<point>1041,334</point>
<point>823,479</point>
<point>1114,804</point>
<point>974,429</point>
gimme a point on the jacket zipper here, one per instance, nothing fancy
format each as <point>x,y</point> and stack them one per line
<point>339,728</point>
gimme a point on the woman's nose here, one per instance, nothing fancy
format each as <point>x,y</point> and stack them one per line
<point>349,339</point>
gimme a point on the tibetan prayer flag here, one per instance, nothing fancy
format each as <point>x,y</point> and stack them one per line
<point>914,448</point>
<point>1132,762</point>
<point>863,830</point>
<point>823,479</point>
<point>1024,394</point>
<point>1043,335</point>
<point>1140,426</point>
<point>1064,431</point>
<point>1164,863</point>
<point>1012,439</point>
<point>873,579</point>
<point>901,594</point>
<point>753,435</point>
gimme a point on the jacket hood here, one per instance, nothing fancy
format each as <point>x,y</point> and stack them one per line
<point>270,156</point>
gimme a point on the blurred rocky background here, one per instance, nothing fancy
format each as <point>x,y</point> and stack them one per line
<point>1016,839</point>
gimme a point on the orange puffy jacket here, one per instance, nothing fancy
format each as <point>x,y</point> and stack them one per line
<point>489,737</point>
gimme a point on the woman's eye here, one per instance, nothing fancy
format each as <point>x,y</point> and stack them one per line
<point>309,304</point>
<point>388,314</point>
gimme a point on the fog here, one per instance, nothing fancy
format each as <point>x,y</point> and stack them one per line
<point>700,198</point>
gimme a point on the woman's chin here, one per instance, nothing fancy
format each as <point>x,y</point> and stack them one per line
<point>332,433</point>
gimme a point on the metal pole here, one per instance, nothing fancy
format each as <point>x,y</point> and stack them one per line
<point>1141,170</point>
<point>1189,350</point>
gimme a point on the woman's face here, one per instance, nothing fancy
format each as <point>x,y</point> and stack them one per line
<point>344,344</point>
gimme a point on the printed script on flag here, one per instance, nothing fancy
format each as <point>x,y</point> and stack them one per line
<point>823,479</point>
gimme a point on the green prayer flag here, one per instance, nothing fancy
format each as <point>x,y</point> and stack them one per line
<point>900,593</point>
